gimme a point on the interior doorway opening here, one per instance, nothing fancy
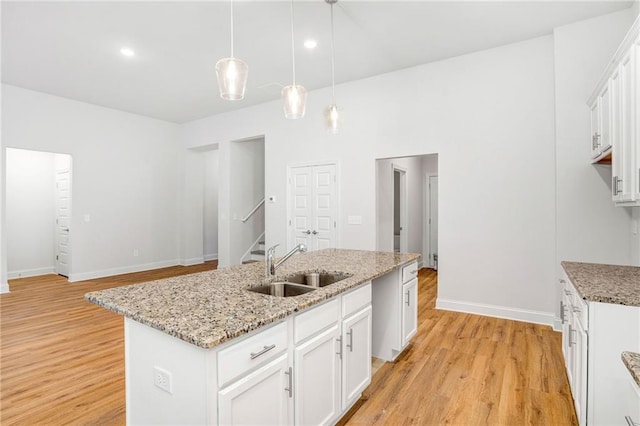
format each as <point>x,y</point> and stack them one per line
<point>404,207</point>
<point>38,209</point>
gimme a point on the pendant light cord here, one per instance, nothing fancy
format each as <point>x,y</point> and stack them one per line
<point>231,28</point>
<point>293,47</point>
<point>333,73</point>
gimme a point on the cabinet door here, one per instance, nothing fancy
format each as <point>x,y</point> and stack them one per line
<point>565,305</point>
<point>595,129</point>
<point>580,347</point>
<point>604,101</point>
<point>624,182</point>
<point>356,356</point>
<point>409,310</point>
<point>264,397</point>
<point>317,378</point>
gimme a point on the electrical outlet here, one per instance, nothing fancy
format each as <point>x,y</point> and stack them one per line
<point>162,379</point>
<point>136,253</point>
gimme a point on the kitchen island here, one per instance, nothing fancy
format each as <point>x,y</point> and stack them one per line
<point>203,349</point>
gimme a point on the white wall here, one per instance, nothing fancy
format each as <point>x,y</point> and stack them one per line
<point>210,204</point>
<point>30,197</point>
<point>490,117</point>
<point>589,227</point>
<point>126,177</point>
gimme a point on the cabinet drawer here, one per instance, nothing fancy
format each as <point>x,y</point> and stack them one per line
<point>251,353</point>
<point>316,319</point>
<point>409,272</point>
<point>356,300</point>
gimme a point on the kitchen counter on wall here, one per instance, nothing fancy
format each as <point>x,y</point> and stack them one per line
<point>632,362</point>
<point>605,283</point>
<point>209,308</point>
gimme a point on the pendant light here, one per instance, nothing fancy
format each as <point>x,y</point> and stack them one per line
<point>232,73</point>
<point>331,113</point>
<point>294,96</point>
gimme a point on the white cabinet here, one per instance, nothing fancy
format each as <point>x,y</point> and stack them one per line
<point>594,336</point>
<point>395,312</point>
<point>409,310</point>
<point>317,390</point>
<point>601,123</point>
<point>615,120</point>
<point>575,345</point>
<point>264,397</point>
<point>332,357</point>
<point>356,356</point>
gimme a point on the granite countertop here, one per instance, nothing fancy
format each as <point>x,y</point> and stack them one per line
<point>632,362</point>
<point>605,283</point>
<point>209,308</point>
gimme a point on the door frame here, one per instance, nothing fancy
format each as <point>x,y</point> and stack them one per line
<point>404,214</point>
<point>427,215</point>
<point>289,234</point>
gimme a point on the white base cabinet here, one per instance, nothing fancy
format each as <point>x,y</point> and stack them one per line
<point>307,369</point>
<point>594,336</point>
<point>261,398</point>
<point>395,311</point>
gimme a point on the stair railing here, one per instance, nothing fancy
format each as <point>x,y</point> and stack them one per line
<point>252,212</point>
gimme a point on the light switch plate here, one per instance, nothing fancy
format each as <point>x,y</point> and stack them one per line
<point>354,220</point>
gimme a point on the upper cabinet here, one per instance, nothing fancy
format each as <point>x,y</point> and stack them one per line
<point>615,120</point>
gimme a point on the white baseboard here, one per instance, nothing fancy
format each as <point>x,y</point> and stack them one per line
<point>192,261</point>
<point>213,256</point>
<point>31,272</point>
<point>536,317</point>
<point>4,287</point>
<point>122,270</point>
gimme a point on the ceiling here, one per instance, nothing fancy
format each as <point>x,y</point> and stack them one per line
<point>72,49</point>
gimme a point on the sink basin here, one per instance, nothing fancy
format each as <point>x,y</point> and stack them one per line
<point>317,279</point>
<point>282,289</point>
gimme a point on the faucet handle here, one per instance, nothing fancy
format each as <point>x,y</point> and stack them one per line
<point>272,249</point>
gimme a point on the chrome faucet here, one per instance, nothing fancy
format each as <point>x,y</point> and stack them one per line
<point>271,252</point>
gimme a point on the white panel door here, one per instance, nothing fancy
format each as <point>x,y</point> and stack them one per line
<point>313,206</point>
<point>325,208</point>
<point>433,220</point>
<point>63,217</point>
<point>302,205</point>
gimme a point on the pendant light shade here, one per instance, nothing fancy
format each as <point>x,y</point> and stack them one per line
<point>294,97</point>
<point>295,100</point>
<point>332,116</point>
<point>232,78</point>
<point>331,113</point>
<point>232,73</point>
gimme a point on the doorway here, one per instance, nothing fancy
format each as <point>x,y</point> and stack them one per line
<point>38,206</point>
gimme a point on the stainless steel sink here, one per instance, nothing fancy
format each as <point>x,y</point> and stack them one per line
<point>282,289</point>
<point>317,279</point>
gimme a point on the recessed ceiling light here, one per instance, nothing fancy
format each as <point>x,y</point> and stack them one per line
<point>310,43</point>
<point>126,51</point>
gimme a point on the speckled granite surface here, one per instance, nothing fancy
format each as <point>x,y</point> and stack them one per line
<point>632,362</point>
<point>605,283</point>
<point>209,308</point>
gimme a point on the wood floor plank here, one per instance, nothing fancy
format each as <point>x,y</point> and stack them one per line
<point>62,362</point>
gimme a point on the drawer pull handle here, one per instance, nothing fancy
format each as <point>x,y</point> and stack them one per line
<point>630,421</point>
<point>576,309</point>
<point>339,340</point>
<point>562,281</point>
<point>408,298</point>
<point>414,272</point>
<point>567,292</point>
<point>266,349</point>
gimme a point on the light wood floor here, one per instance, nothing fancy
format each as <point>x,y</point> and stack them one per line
<point>62,362</point>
